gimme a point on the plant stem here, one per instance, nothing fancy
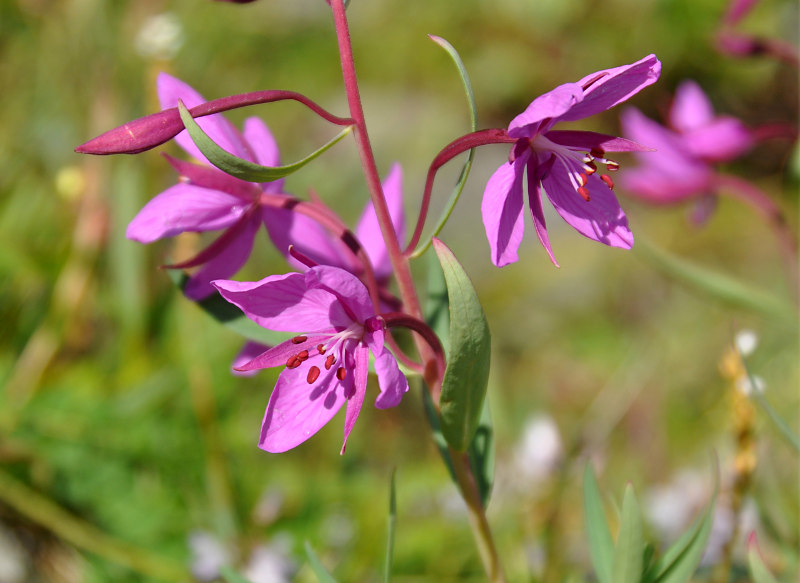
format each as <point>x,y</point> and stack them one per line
<point>408,293</point>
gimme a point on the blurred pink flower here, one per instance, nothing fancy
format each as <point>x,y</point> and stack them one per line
<point>563,163</point>
<point>683,165</point>
<point>328,363</point>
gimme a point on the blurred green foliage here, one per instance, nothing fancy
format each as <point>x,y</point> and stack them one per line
<point>117,403</point>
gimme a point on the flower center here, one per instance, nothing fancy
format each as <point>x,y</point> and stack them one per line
<point>340,344</point>
<point>578,164</point>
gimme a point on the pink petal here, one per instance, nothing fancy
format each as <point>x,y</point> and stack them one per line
<point>722,140</point>
<point>279,355</point>
<point>226,262</point>
<point>600,219</point>
<point>605,89</point>
<point>170,90</point>
<point>691,108</point>
<point>537,212</point>
<point>284,303</point>
<point>354,301</point>
<point>502,211</point>
<point>249,351</point>
<point>368,230</point>
<point>552,104</point>
<point>185,207</point>
<point>588,141</point>
<point>264,148</point>
<point>392,381</point>
<point>357,392</point>
<point>297,409</point>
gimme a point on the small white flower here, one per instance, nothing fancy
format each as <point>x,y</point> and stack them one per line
<point>539,451</point>
<point>160,37</point>
<point>208,555</point>
<point>271,563</point>
<point>746,384</point>
<point>746,342</point>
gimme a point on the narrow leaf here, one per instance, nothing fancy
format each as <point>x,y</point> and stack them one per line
<point>629,551</point>
<point>601,546</point>
<point>758,570</point>
<point>390,529</point>
<point>777,421</point>
<point>244,169</point>
<point>481,455</point>
<point>473,124</point>
<point>719,286</point>
<point>316,565</point>
<point>467,374</point>
<point>230,316</point>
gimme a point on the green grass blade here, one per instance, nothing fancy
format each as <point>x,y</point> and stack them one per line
<point>232,576</point>
<point>316,565</point>
<point>758,570</point>
<point>390,530</point>
<point>629,551</point>
<point>601,546</point>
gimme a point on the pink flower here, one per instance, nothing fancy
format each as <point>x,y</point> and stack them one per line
<point>327,364</point>
<point>563,164</point>
<point>683,166</point>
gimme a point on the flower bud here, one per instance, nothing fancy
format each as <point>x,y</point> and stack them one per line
<point>137,135</point>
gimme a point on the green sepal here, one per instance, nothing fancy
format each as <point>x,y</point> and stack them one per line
<point>230,316</point>
<point>244,169</point>
<point>601,545</point>
<point>629,550</point>
<point>467,374</point>
<point>316,565</point>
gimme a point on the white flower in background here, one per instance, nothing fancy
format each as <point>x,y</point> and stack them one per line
<point>13,563</point>
<point>539,451</point>
<point>746,342</point>
<point>271,563</point>
<point>160,37</point>
<point>747,384</point>
<point>670,508</point>
<point>208,556</point>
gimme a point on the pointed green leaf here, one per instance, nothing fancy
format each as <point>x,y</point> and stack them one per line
<point>467,373</point>
<point>316,565</point>
<point>231,316</point>
<point>758,570</point>
<point>387,571</point>
<point>601,546</point>
<point>629,551</point>
<point>481,455</point>
<point>232,576</point>
<point>244,169</point>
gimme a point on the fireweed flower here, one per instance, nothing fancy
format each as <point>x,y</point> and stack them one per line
<point>697,139</point>
<point>563,163</point>
<point>327,363</point>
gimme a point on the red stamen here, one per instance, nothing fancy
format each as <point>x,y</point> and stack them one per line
<point>612,166</point>
<point>293,362</point>
<point>591,168</point>
<point>597,152</point>
<point>299,339</point>
<point>607,179</point>
<point>341,373</point>
<point>329,362</point>
<point>320,348</point>
<point>584,192</point>
<point>313,374</point>
<point>302,355</point>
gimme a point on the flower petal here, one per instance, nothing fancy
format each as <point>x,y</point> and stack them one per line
<point>283,303</point>
<point>170,90</point>
<point>605,89</point>
<point>297,409</point>
<point>357,391</point>
<point>502,211</point>
<point>600,219</point>
<point>392,381</point>
<point>588,141</point>
<point>227,261</point>
<point>264,149</point>
<point>249,351</point>
<point>537,212</point>
<point>691,108</point>
<point>722,140</point>
<point>354,301</point>
<point>552,104</point>
<point>279,355</point>
<point>185,207</point>
<point>368,230</point>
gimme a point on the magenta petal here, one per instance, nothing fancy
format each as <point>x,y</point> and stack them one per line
<point>368,230</point>
<point>264,149</point>
<point>588,141</point>
<point>502,211</point>
<point>170,90</point>
<point>249,351</point>
<point>287,228</point>
<point>297,409</point>
<point>185,207</point>
<point>226,262</point>
<point>537,212</point>
<point>279,355</point>
<point>605,89</point>
<point>721,140</point>
<point>691,108</point>
<point>552,104</point>
<point>359,391</point>
<point>283,303</point>
<point>354,301</point>
<point>392,381</point>
<point>600,219</point>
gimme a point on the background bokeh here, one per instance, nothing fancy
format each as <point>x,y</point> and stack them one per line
<point>128,450</point>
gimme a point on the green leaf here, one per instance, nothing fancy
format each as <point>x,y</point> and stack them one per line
<point>719,286</point>
<point>758,570</point>
<point>316,565</point>
<point>244,169</point>
<point>387,571</point>
<point>481,455</point>
<point>229,315</point>
<point>232,576</point>
<point>601,546</point>
<point>473,124</point>
<point>629,551</point>
<point>681,560</point>
<point>467,374</point>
